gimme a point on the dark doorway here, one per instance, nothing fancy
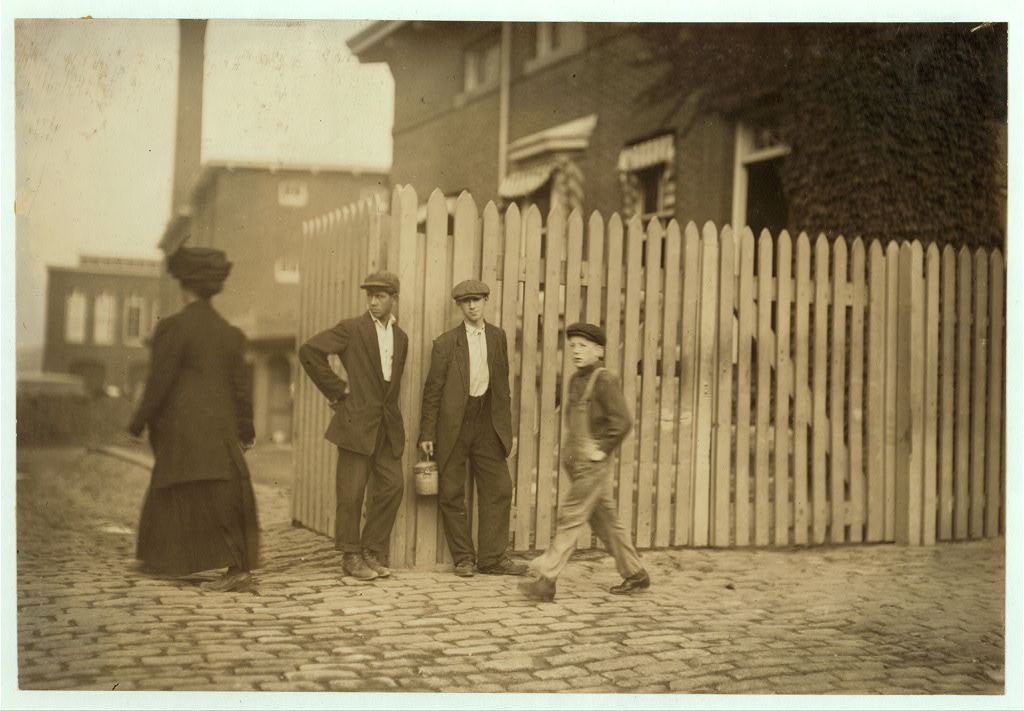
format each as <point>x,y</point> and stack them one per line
<point>767,207</point>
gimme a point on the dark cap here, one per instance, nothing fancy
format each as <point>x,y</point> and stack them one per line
<point>588,331</point>
<point>381,281</point>
<point>470,289</point>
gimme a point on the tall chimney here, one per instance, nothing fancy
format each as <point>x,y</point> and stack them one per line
<point>189,127</point>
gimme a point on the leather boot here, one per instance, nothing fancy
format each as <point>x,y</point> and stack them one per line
<point>354,565</point>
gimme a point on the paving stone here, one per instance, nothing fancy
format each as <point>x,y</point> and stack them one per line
<point>509,663</point>
<point>565,672</point>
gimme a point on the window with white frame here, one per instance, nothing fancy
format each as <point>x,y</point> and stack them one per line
<point>134,319</point>
<point>104,318</point>
<point>759,199</point>
<point>293,193</point>
<point>481,65</point>
<point>554,40</point>
<point>74,317</point>
<point>286,270</point>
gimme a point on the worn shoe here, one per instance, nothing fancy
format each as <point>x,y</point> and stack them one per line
<point>354,565</point>
<point>506,566</point>
<point>374,564</point>
<point>636,581</point>
<point>232,581</point>
<point>541,589</point>
<point>464,569</point>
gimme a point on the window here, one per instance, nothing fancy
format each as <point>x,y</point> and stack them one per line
<point>553,41</point>
<point>647,174</point>
<point>292,193</point>
<point>759,200</point>
<point>482,64</point>
<point>286,270</point>
<point>134,319</point>
<point>104,318</point>
<point>74,317</point>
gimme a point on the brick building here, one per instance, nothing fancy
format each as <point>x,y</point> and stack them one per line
<point>99,316</point>
<point>563,112</point>
<point>255,213</point>
<point>565,125</point>
<point>253,210</point>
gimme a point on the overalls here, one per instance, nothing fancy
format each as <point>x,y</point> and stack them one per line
<point>589,499</point>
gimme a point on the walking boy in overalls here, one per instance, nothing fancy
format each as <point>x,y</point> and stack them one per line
<point>598,421</point>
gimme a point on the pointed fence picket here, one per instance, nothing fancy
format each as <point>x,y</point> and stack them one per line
<point>783,391</point>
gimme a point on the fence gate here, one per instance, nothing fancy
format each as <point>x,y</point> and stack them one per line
<point>785,391</point>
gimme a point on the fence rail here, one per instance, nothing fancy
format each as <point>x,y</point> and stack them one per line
<point>785,391</point>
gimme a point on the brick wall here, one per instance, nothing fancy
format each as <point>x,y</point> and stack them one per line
<point>451,142</point>
<point>123,364</point>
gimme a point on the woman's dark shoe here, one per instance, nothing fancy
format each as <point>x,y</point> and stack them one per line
<point>354,565</point>
<point>541,589</point>
<point>636,581</point>
<point>231,581</point>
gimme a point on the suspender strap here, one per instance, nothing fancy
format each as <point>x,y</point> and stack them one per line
<point>590,384</point>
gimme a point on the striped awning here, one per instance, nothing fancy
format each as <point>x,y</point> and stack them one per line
<point>524,182</point>
<point>661,149</point>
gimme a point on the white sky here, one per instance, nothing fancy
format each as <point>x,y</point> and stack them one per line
<point>95,115</point>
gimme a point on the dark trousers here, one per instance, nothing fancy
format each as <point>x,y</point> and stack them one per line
<point>479,444</point>
<point>381,473</point>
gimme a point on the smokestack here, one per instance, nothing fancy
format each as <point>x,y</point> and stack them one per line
<point>189,127</point>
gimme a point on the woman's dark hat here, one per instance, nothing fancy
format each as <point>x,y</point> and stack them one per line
<point>588,331</point>
<point>201,269</point>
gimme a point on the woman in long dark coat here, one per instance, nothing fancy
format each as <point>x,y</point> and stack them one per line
<point>199,512</point>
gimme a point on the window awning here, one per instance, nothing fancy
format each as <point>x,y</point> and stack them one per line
<point>524,182</point>
<point>661,149</point>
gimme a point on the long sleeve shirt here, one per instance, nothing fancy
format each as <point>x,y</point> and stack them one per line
<point>609,416</point>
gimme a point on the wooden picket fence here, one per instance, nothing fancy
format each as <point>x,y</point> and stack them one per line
<point>785,391</point>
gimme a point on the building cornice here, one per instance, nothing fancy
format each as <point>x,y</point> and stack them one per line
<point>367,38</point>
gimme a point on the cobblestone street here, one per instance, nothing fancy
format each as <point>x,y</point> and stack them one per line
<point>864,619</point>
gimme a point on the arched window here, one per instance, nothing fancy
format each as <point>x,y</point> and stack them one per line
<point>74,317</point>
<point>104,318</point>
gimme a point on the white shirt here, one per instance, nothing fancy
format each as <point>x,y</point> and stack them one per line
<point>386,343</point>
<point>479,375</point>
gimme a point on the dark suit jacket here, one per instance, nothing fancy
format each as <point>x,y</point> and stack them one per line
<point>197,402</point>
<point>447,389</point>
<point>372,403</point>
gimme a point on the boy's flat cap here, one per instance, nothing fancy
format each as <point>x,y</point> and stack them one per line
<point>470,289</point>
<point>383,281</point>
<point>588,331</point>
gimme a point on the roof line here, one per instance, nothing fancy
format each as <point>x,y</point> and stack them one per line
<point>364,39</point>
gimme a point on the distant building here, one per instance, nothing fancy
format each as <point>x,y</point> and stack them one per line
<point>255,213</point>
<point>253,210</point>
<point>99,317</point>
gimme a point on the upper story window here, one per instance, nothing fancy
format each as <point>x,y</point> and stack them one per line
<point>134,319</point>
<point>292,193</point>
<point>481,65</point>
<point>104,318</point>
<point>553,41</point>
<point>286,270</point>
<point>74,317</point>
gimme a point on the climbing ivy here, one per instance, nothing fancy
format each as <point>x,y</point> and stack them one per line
<point>895,129</point>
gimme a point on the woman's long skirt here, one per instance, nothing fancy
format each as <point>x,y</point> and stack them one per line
<point>199,525</point>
